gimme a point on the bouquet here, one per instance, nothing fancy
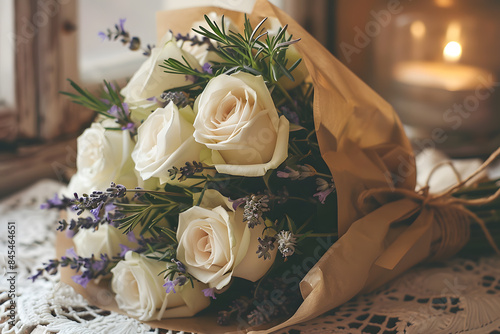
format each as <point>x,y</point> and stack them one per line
<point>223,174</point>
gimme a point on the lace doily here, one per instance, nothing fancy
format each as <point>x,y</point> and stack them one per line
<point>459,296</point>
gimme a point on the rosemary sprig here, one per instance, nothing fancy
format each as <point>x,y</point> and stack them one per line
<point>247,52</point>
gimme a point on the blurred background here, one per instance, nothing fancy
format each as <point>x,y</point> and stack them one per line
<point>436,61</point>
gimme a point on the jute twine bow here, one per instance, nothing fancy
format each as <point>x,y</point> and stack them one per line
<point>450,213</point>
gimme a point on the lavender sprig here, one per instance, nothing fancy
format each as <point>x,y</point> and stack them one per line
<point>266,245</point>
<point>189,170</point>
<point>58,203</point>
<point>180,99</point>
<point>300,173</point>
<point>254,209</point>
<point>98,198</point>
<point>324,189</point>
<point>91,268</point>
<point>119,32</point>
<point>195,40</point>
<point>176,275</point>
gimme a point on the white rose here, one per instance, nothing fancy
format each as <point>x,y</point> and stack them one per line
<point>139,290</point>
<point>236,118</point>
<point>215,244</point>
<point>165,140</point>
<point>201,52</point>
<point>150,80</point>
<point>300,73</point>
<point>103,156</point>
<point>105,240</point>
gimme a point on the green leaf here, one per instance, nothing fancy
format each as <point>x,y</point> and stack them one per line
<point>291,224</point>
<point>267,176</point>
<point>296,127</point>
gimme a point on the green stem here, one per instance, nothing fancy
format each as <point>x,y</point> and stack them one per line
<point>286,95</point>
<point>157,192</point>
<point>299,199</point>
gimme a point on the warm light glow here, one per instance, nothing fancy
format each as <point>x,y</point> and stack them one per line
<point>452,51</point>
<point>444,3</point>
<point>453,31</point>
<point>417,29</point>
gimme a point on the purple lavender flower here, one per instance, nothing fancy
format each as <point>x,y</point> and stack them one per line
<point>113,111</point>
<point>126,108</point>
<point>130,126</point>
<point>179,281</point>
<point>54,202</point>
<point>57,202</point>
<point>191,78</point>
<point>100,265</point>
<point>157,101</point>
<point>324,189</point>
<point>95,212</point>
<point>124,249</point>
<point>238,202</point>
<point>109,211</point>
<point>121,22</point>
<point>301,173</point>
<point>70,233</point>
<point>180,266</point>
<point>209,292</point>
<point>287,174</point>
<point>322,195</point>
<point>131,237</point>
<point>170,285</point>
<point>81,279</point>
<point>113,87</point>
<point>70,252</point>
<point>116,111</point>
<point>207,68</point>
<point>102,35</point>
<point>292,116</point>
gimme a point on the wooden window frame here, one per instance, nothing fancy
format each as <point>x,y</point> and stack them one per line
<point>38,135</point>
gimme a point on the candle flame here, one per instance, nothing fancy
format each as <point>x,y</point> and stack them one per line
<point>452,51</point>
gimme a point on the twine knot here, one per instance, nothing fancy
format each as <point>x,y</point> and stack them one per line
<point>451,217</point>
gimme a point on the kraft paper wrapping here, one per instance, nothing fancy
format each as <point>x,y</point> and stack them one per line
<point>364,145</point>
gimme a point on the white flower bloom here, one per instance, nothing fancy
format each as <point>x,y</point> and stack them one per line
<point>165,140</point>
<point>105,240</point>
<point>215,244</point>
<point>103,156</point>
<point>236,118</point>
<point>150,80</point>
<point>139,290</point>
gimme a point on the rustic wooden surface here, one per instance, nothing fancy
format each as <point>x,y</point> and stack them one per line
<point>46,55</point>
<point>8,125</point>
<point>26,92</point>
<point>31,163</point>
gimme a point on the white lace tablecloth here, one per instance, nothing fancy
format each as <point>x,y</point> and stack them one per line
<point>459,296</point>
